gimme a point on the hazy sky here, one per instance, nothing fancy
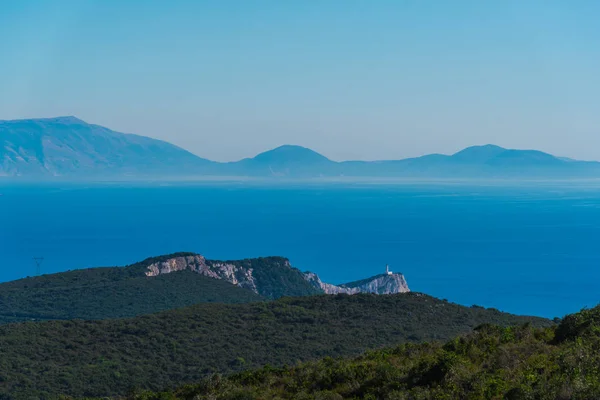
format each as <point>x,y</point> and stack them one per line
<point>351,79</point>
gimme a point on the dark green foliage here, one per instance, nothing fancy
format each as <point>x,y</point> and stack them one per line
<point>164,350</point>
<point>511,363</point>
<point>584,323</point>
<point>100,293</point>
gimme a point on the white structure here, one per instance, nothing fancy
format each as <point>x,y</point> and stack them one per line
<point>387,270</point>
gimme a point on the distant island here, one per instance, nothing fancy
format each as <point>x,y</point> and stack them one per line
<point>73,149</point>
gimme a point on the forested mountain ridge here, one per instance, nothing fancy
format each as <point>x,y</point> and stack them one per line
<point>171,348</point>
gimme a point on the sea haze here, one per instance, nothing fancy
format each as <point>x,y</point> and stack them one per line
<point>528,248</point>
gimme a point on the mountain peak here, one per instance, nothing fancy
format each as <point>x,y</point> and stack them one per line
<point>66,145</point>
<point>67,120</point>
<point>487,148</point>
<point>478,153</point>
<point>492,155</point>
<point>291,152</point>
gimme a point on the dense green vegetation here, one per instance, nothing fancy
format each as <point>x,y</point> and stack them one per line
<point>512,363</point>
<point>111,293</point>
<point>117,292</point>
<point>164,350</point>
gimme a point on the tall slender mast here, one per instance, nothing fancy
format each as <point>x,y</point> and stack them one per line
<point>38,265</point>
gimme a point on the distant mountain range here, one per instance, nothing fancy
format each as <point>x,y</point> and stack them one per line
<point>69,147</point>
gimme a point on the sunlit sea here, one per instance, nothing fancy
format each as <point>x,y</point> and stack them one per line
<point>528,248</point>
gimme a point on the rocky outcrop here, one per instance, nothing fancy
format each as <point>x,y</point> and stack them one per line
<point>231,273</point>
<point>327,288</point>
<point>279,272</point>
<point>379,284</point>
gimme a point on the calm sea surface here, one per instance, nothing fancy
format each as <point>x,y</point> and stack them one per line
<point>529,248</point>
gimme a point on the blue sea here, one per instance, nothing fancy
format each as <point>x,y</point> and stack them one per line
<point>529,248</point>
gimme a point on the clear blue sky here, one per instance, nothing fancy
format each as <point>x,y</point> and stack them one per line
<point>351,79</point>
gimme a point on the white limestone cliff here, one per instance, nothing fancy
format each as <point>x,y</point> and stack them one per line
<point>236,275</point>
<point>379,284</point>
<point>388,283</point>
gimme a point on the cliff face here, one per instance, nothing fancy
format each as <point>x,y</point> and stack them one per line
<point>379,284</point>
<point>231,273</point>
<point>271,277</point>
<point>327,288</point>
<point>274,276</point>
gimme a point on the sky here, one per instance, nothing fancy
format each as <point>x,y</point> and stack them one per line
<point>382,79</point>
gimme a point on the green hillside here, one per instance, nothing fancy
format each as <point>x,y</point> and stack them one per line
<point>100,293</point>
<point>514,363</point>
<point>110,357</point>
<point>116,292</point>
